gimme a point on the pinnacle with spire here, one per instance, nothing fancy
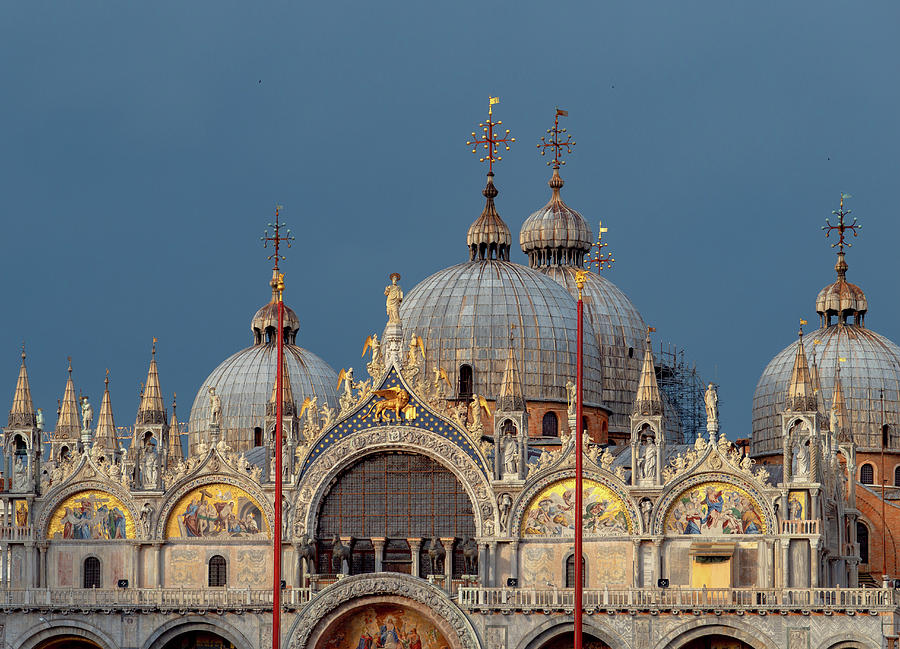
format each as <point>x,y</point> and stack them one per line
<point>176,454</point>
<point>648,401</point>
<point>801,395</point>
<point>840,421</point>
<point>21,415</point>
<point>152,410</point>
<point>105,436</point>
<point>512,396</point>
<point>287,397</point>
<point>68,424</point>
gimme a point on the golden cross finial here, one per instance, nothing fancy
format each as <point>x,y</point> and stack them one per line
<point>276,238</point>
<point>841,227</point>
<point>490,141</point>
<point>555,142</point>
<point>602,261</point>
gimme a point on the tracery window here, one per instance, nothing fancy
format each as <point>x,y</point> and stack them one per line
<point>392,496</point>
<point>867,474</point>
<point>550,425</point>
<point>217,570</point>
<point>92,572</point>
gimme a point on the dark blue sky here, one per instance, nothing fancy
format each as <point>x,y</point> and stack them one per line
<point>144,145</point>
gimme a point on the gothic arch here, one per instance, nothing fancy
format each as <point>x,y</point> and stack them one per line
<point>55,628</point>
<point>557,626</point>
<point>341,455</point>
<point>609,481</point>
<point>680,486</point>
<point>360,590</point>
<point>188,485</point>
<point>699,628</point>
<point>211,624</point>
<point>59,495</point>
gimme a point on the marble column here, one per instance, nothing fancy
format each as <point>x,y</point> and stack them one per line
<point>378,545</point>
<point>635,563</point>
<point>814,561</point>
<point>42,547</point>
<point>448,561</point>
<point>784,581</point>
<point>657,555</point>
<point>492,566</point>
<point>4,578</point>
<point>415,546</point>
<point>29,564</point>
<point>514,560</point>
<point>136,565</point>
<point>482,563</point>
<point>159,557</point>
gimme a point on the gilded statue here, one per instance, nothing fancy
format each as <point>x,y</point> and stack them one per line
<point>570,398</point>
<point>712,407</point>
<point>395,399</point>
<point>347,400</point>
<point>394,295</point>
<point>311,409</point>
<point>479,406</point>
<point>376,365</point>
<point>437,386</point>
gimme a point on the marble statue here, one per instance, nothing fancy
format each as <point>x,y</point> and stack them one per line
<point>215,408</point>
<point>376,365</point>
<point>461,414</point>
<point>20,473</point>
<point>646,508</point>
<point>700,443</point>
<point>87,414</point>
<point>648,461</point>
<point>712,407</point>
<point>347,400</point>
<point>801,462</point>
<point>510,456</point>
<point>505,504</point>
<point>39,417</point>
<point>479,409</point>
<point>394,295</point>
<point>146,515</point>
<point>440,380</point>
<point>833,420</point>
<point>570,398</point>
<point>149,469</point>
<point>328,415</point>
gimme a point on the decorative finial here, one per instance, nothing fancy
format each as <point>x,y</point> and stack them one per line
<point>276,238</point>
<point>800,332</point>
<point>556,143</point>
<point>841,227</point>
<point>106,380</point>
<point>23,351</point>
<point>601,260</point>
<point>580,279</point>
<point>174,402</point>
<point>490,141</point>
<point>153,349</point>
<point>69,358</point>
<point>650,330</point>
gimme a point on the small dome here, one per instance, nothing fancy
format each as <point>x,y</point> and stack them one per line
<point>555,234</point>
<point>872,364</point>
<point>464,314</point>
<point>488,237</point>
<point>841,299</point>
<point>264,324</point>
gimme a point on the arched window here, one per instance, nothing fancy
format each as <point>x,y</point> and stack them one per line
<point>867,474</point>
<point>508,427</point>
<point>550,425</point>
<point>466,382</point>
<point>862,537</point>
<point>257,436</point>
<point>397,496</point>
<point>897,476</point>
<point>217,571</point>
<point>570,571</point>
<point>92,572</point>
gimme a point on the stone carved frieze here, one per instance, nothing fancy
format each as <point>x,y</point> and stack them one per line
<point>336,457</point>
<point>416,590</point>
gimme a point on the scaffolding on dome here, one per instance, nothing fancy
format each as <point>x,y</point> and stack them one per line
<point>681,383</point>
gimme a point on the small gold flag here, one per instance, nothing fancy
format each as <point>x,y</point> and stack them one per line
<point>494,100</point>
<point>651,329</point>
<point>803,322</point>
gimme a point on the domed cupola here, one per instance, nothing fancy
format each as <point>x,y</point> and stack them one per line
<point>869,368</point>
<point>488,237</point>
<point>264,324</point>
<point>555,234</point>
<point>841,300</point>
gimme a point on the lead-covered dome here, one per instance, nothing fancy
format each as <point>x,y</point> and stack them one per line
<point>870,369</point>
<point>244,382</point>
<point>464,314</point>
<point>555,234</point>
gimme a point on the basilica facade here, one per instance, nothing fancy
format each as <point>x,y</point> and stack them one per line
<point>428,501</point>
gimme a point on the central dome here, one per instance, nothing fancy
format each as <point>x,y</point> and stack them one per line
<point>464,314</point>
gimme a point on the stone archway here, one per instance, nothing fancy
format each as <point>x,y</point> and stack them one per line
<point>192,631</point>
<point>71,634</point>
<point>700,634</point>
<point>67,642</point>
<point>560,634</point>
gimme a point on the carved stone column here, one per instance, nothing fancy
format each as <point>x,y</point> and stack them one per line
<point>784,581</point>
<point>492,567</point>
<point>814,561</point>
<point>158,565</point>
<point>415,546</point>
<point>136,565</point>
<point>42,547</point>
<point>657,568</point>
<point>787,458</point>
<point>635,563</point>
<point>482,563</point>
<point>853,573</point>
<point>448,560</point>
<point>378,545</point>
<point>4,577</point>
<point>29,564</point>
<point>514,560</point>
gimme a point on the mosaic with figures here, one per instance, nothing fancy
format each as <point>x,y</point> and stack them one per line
<point>91,515</point>
<point>390,405</point>
<point>382,626</point>
<point>552,511</point>
<point>714,509</point>
<point>217,511</point>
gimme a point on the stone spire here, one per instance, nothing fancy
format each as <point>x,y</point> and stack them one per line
<point>512,396</point>
<point>840,421</point>
<point>648,401</point>
<point>287,396</point>
<point>814,380</point>
<point>152,410</point>
<point>68,424</point>
<point>21,415</point>
<point>801,396</point>
<point>105,436</point>
<point>176,454</point>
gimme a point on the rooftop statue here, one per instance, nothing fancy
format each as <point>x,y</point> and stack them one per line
<point>87,414</point>
<point>394,295</point>
<point>215,408</point>
<point>712,408</point>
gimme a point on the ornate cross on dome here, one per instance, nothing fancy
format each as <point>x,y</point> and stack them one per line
<point>275,239</point>
<point>490,141</point>
<point>556,143</point>
<point>602,261</point>
<point>841,227</point>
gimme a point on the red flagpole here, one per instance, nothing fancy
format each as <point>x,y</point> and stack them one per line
<point>579,531</point>
<point>279,399</point>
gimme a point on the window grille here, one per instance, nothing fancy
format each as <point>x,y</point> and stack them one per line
<point>217,571</point>
<point>92,572</point>
<point>550,425</point>
<point>867,474</point>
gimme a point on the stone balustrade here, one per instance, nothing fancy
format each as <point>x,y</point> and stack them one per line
<point>15,533</point>
<point>174,599</point>
<point>800,526</point>
<point>527,600</point>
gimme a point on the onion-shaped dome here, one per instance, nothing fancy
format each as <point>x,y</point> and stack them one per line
<point>488,236</point>
<point>264,324</point>
<point>870,370</point>
<point>555,234</point>
<point>841,299</point>
<point>464,314</point>
<point>244,383</point>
